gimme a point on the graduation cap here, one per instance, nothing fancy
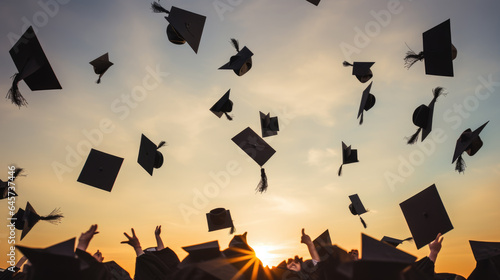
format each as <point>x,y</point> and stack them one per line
<point>100,170</point>
<point>315,2</point>
<point>257,149</point>
<point>5,192</point>
<point>33,66</point>
<point>348,156</point>
<point>149,156</point>
<point>422,117</point>
<point>469,142</point>
<point>356,207</point>
<point>101,65</point>
<point>43,260</point>
<point>220,218</point>
<point>448,276</point>
<point>367,102</point>
<point>185,26</point>
<point>438,51</point>
<point>375,250</point>
<point>25,220</point>
<point>323,245</point>
<point>487,256</point>
<point>268,125</point>
<point>223,106</point>
<point>241,62</point>
<point>201,252</point>
<point>361,70</point>
<point>394,241</point>
<point>426,216</point>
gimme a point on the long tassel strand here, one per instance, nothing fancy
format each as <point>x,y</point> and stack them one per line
<point>262,186</point>
<point>14,94</point>
<point>412,57</point>
<point>413,139</point>
<point>362,221</point>
<point>54,217</point>
<point>460,165</point>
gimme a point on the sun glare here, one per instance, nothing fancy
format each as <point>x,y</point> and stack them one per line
<point>266,255</point>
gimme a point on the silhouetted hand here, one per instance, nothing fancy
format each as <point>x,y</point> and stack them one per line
<point>158,230</point>
<point>159,242</point>
<point>306,239</point>
<point>435,247</point>
<point>86,237</point>
<point>98,256</point>
<point>134,242</point>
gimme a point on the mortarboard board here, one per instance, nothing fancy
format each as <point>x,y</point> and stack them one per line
<point>315,2</point>
<point>469,142</point>
<point>374,250</point>
<point>43,260</point>
<point>438,51</point>
<point>426,216</point>
<point>422,117</point>
<point>323,245</point>
<point>185,26</point>
<point>367,102</point>
<point>219,218</point>
<point>25,220</point>
<point>361,70</point>
<point>101,65</point>
<point>116,271</point>
<point>149,156</point>
<point>33,66</point>
<point>356,207</point>
<point>394,241</point>
<point>241,62</point>
<point>223,106</point>
<point>100,170</point>
<point>268,125</point>
<point>348,156</point>
<point>201,252</point>
<point>257,149</point>
<point>487,256</point>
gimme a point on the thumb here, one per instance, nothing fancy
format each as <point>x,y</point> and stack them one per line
<point>303,231</point>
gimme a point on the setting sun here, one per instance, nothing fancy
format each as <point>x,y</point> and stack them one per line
<point>266,255</point>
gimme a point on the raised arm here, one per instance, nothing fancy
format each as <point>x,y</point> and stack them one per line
<point>435,247</point>
<point>86,237</point>
<point>159,242</point>
<point>134,242</point>
<point>306,239</point>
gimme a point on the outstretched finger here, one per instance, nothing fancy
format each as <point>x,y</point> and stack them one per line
<point>133,232</point>
<point>128,236</point>
<point>303,231</point>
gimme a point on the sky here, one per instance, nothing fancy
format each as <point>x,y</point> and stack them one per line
<point>164,91</point>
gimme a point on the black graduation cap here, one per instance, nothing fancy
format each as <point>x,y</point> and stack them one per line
<point>469,142</point>
<point>149,156</point>
<point>356,207</point>
<point>241,62</point>
<point>268,125</point>
<point>487,256</point>
<point>43,260</point>
<point>394,241</point>
<point>33,66</point>
<point>223,106</point>
<point>5,192</point>
<point>220,218</point>
<point>185,26</point>
<point>422,117</point>
<point>375,250</point>
<point>257,149</point>
<point>100,170</point>
<point>438,51</point>
<point>201,252</point>
<point>315,2</point>
<point>323,245</point>
<point>426,216</point>
<point>367,102</point>
<point>348,156</point>
<point>25,220</point>
<point>101,65</point>
<point>361,70</point>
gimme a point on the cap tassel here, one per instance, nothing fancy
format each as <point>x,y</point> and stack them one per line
<point>262,186</point>
<point>412,57</point>
<point>54,217</point>
<point>362,221</point>
<point>340,170</point>
<point>157,8</point>
<point>345,63</point>
<point>98,80</point>
<point>438,91</point>
<point>413,139</point>
<point>233,230</point>
<point>14,95</point>
<point>228,116</point>
<point>460,165</point>
<point>162,143</point>
<point>410,239</point>
<point>361,120</point>
<point>17,172</point>
<point>235,44</point>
